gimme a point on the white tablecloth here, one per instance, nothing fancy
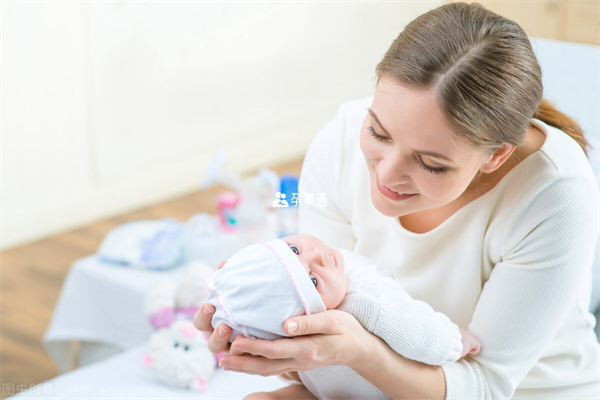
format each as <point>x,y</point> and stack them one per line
<point>123,376</point>
<point>100,305</point>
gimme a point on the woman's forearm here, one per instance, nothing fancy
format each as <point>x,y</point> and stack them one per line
<point>398,377</point>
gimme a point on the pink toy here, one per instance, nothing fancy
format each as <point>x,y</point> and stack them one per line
<point>178,353</point>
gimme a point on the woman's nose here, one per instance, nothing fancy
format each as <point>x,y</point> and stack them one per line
<point>391,171</point>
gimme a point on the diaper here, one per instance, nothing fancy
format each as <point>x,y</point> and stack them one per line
<point>144,244</point>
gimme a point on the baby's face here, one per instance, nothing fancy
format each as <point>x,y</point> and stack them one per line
<point>325,266</point>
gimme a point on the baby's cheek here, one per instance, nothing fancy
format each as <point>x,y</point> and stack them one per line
<point>341,286</point>
<point>341,293</point>
<point>334,296</point>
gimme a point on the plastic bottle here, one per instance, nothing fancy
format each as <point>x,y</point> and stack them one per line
<point>202,239</point>
<point>251,212</point>
<point>227,203</point>
<point>226,210</point>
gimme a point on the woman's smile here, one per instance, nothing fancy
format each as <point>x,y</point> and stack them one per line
<point>391,194</point>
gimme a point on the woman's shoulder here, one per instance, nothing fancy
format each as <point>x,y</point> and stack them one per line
<point>559,165</point>
<point>345,125</point>
<point>334,165</point>
<point>334,147</point>
<point>563,153</point>
<point>564,171</point>
<point>553,187</point>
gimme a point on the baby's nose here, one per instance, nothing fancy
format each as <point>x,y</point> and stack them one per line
<point>317,257</point>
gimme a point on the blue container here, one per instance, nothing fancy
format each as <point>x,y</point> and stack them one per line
<point>288,213</point>
<point>289,188</point>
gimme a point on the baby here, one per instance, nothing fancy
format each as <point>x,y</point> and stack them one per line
<point>266,283</point>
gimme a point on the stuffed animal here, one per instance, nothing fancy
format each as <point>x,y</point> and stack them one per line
<point>178,353</point>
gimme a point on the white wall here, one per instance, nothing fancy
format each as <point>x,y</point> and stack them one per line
<point>110,106</point>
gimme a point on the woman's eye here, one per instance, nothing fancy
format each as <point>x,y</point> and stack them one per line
<point>294,249</point>
<point>433,170</point>
<point>313,279</point>
<point>375,135</point>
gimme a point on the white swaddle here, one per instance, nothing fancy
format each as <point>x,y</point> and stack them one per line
<point>259,288</point>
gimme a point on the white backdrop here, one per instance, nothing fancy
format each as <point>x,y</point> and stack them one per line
<point>110,106</point>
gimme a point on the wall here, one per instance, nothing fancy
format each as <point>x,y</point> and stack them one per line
<point>110,106</point>
<point>567,20</point>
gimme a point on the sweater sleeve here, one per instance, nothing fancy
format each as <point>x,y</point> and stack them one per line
<point>546,250</point>
<point>410,327</point>
<point>321,173</point>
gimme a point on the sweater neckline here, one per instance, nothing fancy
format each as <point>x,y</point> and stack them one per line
<point>490,193</point>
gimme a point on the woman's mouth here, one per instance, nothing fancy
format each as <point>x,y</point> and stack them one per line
<point>392,195</point>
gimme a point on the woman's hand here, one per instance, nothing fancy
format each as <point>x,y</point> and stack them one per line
<point>219,338</point>
<point>328,338</point>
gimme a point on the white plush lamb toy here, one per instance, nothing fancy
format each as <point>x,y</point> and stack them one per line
<point>178,352</point>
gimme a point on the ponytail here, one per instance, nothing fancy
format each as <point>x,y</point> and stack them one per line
<point>547,113</point>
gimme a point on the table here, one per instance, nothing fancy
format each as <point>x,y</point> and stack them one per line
<point>101,306</point>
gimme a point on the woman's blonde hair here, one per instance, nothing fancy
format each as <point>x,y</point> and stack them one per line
<point>483,70</point>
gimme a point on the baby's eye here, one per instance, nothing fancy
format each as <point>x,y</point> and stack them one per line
<point>294,249</point>
<point>313,279</point>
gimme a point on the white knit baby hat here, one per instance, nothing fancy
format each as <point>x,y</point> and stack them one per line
<point>260,287</point>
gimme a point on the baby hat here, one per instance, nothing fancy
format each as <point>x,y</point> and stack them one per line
<point>260,287</point>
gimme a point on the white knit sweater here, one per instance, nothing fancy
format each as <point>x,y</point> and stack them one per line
<point>410,327</point>
<point>513,266</point>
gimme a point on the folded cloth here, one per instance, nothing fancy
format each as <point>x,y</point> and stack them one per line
<point>145,244</point>
<point>260,287</point>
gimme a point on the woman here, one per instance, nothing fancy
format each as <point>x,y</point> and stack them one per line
<point>477,195</point>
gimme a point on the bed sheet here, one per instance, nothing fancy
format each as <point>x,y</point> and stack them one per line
<point>124,377</point>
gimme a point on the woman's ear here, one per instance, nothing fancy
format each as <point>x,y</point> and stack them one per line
<point>497,158</point>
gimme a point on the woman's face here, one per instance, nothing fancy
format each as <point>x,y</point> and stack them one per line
<point>324,264</point>
<point>414,160</point>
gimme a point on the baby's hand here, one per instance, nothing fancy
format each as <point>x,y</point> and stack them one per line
<point>470,344</point>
